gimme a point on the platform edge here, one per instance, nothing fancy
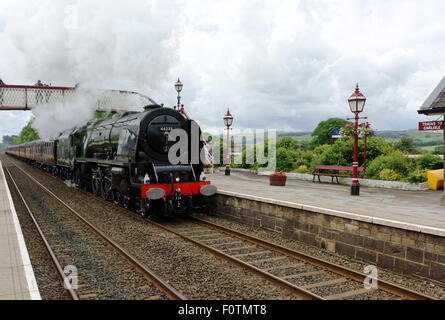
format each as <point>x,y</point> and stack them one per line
<point>342,214</point>
<point>29,272</point>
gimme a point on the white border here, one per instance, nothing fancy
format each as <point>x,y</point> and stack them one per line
<point>29,273</point>
<point>342,214</point>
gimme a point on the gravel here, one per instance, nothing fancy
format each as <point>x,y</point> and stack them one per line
<point>336,288</point>
<point>229,246</point>
<point>419,285</point>
<point>372,295</point>
<point>275,263</point>
<point>292,270</point>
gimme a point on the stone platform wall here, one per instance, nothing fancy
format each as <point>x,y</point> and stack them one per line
<point>404,251</point>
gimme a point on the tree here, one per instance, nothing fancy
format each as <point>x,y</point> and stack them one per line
<point>7,140</point>
<point>394,161</point>
<point>375,148</point>
<point>285,160</point>
<point>405,144</point>
<point>287,143</point>
<point>430,162</point>
<point>322,133</point>
<point>27,134</point>
<point>103,115</point>
<point>341,153</point>
<point>305,145</point>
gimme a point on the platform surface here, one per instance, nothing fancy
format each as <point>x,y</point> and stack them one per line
<point>17,281</point>
<point>412,207</point>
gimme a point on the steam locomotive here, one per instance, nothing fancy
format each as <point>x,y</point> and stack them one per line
<point>125,159</point>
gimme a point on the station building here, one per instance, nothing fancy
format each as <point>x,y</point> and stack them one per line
<point>434,105</point>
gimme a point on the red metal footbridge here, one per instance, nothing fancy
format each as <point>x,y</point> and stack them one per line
<point>18,97</point>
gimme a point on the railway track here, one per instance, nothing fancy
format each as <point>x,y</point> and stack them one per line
<point>315,277</point>
<point>307,277</point>
<point>64,247</point>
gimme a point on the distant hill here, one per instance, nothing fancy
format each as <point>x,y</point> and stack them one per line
<point>305,136</point>
<point>414,134</point>
<point>424,140</point>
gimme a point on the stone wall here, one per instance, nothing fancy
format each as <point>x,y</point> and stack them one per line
<point>406,251</point>
<point>363,182</point>
<point>347,181</point>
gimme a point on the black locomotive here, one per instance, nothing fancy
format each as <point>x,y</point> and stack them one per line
<point>125,159</point>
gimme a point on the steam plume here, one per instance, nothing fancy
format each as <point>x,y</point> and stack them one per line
<point>127,45</point>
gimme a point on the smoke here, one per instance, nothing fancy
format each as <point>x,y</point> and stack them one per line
<point>79,106</point>
<point>101,44</point>
<point>70,184</point>
<point>98,43</point>
<point>51,119</point>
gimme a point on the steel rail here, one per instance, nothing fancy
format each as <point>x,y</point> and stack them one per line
<point>161,284</point>
<point>45,241</point>
<point>335,268</point>
<point>305,294</point>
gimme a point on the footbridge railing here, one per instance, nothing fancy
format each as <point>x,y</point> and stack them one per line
<point>17,97</point>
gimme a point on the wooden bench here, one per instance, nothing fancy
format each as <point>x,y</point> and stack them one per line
<point>318,172</point>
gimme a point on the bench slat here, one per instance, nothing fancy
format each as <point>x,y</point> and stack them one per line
<point>334,168</point>
<point>339,168</point>
<point>331,174</point>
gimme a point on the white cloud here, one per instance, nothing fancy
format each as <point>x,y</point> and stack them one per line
<point>285,65</point>
<point>293,64</point>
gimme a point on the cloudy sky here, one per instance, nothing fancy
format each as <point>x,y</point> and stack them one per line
<point>277,64</point>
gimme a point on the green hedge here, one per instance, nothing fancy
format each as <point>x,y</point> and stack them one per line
<point>383,162</point>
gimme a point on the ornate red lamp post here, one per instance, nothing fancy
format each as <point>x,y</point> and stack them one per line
<point>228,120</point>
<point>356,104</point>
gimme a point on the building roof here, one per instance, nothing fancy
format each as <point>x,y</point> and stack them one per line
<point>435,103</point>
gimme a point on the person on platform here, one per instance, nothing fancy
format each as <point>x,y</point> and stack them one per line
<point>1,91</point>
<point>39,95</point>
<point>47,92</point>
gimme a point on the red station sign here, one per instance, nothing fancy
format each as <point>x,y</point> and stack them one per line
<point>430,125</point>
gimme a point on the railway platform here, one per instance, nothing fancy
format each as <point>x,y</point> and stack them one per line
<point>413,210</point>
<point>17,280</point>
<point>397,208</point>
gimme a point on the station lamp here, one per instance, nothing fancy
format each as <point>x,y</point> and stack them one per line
<point>228,120</point>
<point>356,103</point>
<point>178,87</point>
